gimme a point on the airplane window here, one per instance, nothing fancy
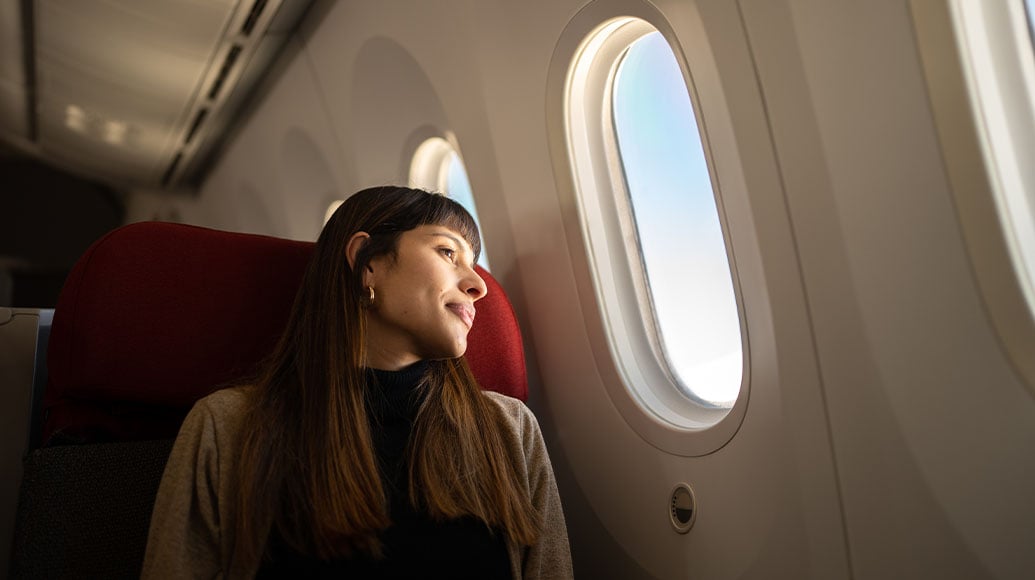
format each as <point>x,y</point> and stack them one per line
<point>654,232</point>
<point>677,223</point>
<point>979,65</point>
<point>997,39</point>
<point>436,166</point>
<point>659,269</point>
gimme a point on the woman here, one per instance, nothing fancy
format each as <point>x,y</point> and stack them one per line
<point>366,449</point>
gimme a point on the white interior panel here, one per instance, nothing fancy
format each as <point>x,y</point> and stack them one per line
<point>932,429</point>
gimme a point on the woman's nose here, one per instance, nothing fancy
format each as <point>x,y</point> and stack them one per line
<point>475,286</point>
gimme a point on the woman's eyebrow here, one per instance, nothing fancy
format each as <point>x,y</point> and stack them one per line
<point>458,241</point>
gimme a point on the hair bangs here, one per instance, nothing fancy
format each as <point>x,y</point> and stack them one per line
<point>446,212</point>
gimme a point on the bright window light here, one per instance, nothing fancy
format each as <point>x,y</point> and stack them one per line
<point>677,223</point>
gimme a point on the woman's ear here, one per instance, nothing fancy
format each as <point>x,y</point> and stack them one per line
<point>357,241</point>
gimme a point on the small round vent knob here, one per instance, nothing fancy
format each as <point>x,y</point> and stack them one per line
<point>682,508</point>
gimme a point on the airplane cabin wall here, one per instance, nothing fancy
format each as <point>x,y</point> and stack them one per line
<point>885,435</point>
<point>933,429</point>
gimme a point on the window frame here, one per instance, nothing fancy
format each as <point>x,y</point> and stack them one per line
<point>626,343</point>
<point>952,36</point>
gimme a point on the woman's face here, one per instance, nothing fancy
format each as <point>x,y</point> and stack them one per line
<point>424,298</point>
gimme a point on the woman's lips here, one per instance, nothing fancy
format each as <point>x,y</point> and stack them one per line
<point>464,311</point>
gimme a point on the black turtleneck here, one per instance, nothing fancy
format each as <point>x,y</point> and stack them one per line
<point>415,545</point>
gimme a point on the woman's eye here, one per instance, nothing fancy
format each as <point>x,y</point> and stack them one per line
<point>449,253</point>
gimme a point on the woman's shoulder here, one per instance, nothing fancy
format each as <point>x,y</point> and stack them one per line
<point>509,404</point>
<point>221,411</point>
<point>228,400</point>
<point>516,414</point>
<point>225,403</point>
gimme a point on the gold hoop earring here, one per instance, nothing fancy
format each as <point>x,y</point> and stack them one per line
<point>370,296</point>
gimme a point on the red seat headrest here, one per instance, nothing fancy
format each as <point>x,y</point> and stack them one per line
<point>155,316</point>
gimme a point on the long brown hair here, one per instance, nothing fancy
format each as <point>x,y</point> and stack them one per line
<point>307,463</point>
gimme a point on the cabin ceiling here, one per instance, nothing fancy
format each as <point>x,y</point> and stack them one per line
<point>134,93</point>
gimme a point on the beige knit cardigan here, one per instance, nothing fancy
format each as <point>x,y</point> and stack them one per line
<point>192,528</point>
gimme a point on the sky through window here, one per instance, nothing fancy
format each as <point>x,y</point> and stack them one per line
<point>680,237</point>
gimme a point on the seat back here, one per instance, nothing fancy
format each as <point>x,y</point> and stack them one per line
<point>153,317</point>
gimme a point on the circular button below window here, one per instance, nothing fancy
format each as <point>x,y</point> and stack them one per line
<point>683,508</point>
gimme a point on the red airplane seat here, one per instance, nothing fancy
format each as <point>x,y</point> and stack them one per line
<point>155,316</point>
<point>495,352</point>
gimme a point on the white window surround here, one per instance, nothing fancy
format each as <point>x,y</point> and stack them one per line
<point>980,71</point>
<point>626,346</point>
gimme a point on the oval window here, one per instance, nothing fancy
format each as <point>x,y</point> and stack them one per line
<point>683,253</point>
<point>654,234</point>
